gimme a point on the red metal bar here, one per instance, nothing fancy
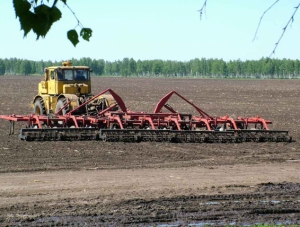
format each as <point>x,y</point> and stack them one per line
<point>164,100</point>
<point>115,96</point>
<point>36,118</point>
<point>63,107</point>
<point>88,101</point>
<point>107,109</point>
<point>74,120</point>
<point>149,119</point>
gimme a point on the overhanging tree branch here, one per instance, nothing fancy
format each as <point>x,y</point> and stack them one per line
<point>262,18</point>
<point>54,3</point>
<point>291,20</point>
<point>72,35</point>
<point>40,17</point>
<point>79,24</point>
<point>202,9</point>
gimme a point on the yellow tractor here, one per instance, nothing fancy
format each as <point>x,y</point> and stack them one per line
<point>66,87</point>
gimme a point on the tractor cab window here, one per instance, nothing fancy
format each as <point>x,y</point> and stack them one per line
<point>64,74</point>
<point>81,75</point>
<point>68,74</point>
<point>59,74</point>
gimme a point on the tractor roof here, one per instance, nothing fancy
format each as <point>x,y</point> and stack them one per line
<point>68,67</point>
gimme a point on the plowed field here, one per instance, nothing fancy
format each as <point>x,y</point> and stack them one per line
<point>147,184</point>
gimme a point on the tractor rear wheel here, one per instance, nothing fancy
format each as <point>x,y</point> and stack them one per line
<point>39,107</point>
<point>60,104</point>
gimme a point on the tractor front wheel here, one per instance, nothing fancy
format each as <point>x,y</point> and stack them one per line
<point>39,107</point>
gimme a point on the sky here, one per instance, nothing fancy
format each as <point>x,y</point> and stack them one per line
<point>159,29</point>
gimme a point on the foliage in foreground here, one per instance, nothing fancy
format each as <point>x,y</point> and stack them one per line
<point>37,16</point>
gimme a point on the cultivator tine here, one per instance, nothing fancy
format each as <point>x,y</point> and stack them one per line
<point>11,127</point>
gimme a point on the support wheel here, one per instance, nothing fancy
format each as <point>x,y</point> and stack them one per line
<point>39,107</point>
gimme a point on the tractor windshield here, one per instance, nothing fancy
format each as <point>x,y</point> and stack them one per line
<point>81,74</point>
<point>68,74</point>
<point>73,74</point>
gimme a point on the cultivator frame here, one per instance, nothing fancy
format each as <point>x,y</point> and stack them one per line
<point>128,126</point>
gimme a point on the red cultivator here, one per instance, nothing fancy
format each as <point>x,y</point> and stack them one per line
<point>117,123</point>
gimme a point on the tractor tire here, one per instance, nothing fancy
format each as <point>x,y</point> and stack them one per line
<point>60,104</point>
<point>39,107</point>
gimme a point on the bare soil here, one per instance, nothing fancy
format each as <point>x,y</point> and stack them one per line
<point>147,184</point>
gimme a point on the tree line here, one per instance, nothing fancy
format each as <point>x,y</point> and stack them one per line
<point>200,68</point>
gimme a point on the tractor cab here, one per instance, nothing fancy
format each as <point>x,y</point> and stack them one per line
<point>66,79</point>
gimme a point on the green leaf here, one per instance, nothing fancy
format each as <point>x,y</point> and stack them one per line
<point>55,14</point>
<point>86,33</point>
<point>21,7</point>
<point>27,21</point>
<point>73,37</point>
<point>44,18</point>
<point>26,17</point>
<point>43,21</point>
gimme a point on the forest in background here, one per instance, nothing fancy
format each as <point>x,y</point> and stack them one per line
<point>197,68</point>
